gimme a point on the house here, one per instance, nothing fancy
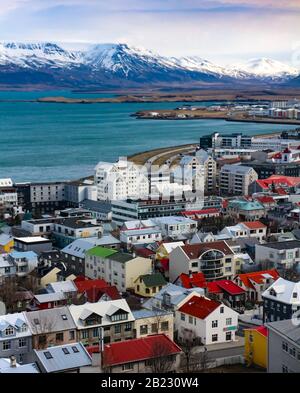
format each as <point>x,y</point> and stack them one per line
<point>283,347</point>
<point>117,268</point>
<point>96,290</point>
<point>74,253</point>
<point>113,320</point>
<point>201,214</point>
<point>67,288</point>
<point>50,327</point>
<point>206,321</point>
<point>156,353</point>
<point>100,210</point>
<point>140,236</point>
<point>46,301</point>
<point>15,337</point>
<point>67,358</point>
<point>288,183</point>
<point>24,261</point>
<point>256,346</point>
<point>148,284</point>
<point>281,254</point>
<point>165,248</point>
<point>202,237</point>
<point>7,267</point>
<point>255,283</point>
<point>6,243</point>
<point>281,300</point>
<point>246,210</point>
<point>266,200</point>
<point>37,244</point>
<point>171,297</point>
<point>214,259</point>
<point>148,322</point>
<point>247,229</point>
<point>176,227</point>
<point>10,366</point>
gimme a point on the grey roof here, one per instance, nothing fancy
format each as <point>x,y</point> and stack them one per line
<point>4,239</point>
<point>121,257</point>
<point>50,320</point>
<point>78,248</point>
<point>77,222</point>
<point>144,313</point>
<point>286,245</point>
<point>296,233</point>
<point>97,206</point>
<point>286,328</point>
<point>61,361</point>
<point>5,368</point>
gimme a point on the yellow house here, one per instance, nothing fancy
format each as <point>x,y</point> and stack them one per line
<point>256,342</point>
<point>148,285</point>
<point>164,249</point>
<point>6,243</point>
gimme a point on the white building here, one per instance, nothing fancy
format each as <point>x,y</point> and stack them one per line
<point>190,171</point>
<point>176,227</point>
<point>235,179</point>
<point>121,180</point>
<point>206,320</point>
<point>210,170</point>
<point>282,254</point>
<point>144,234</point>
<point>254,229</point>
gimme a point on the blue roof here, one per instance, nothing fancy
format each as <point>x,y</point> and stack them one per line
<point>145,313</point>
<point>23,254</point>
<point>246,205</point>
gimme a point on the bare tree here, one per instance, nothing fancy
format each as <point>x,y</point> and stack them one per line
<point>161,360</point>
<point>8,293</point>
<point>42,327</point>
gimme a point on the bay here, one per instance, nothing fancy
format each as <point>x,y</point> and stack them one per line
<point>50,141</point>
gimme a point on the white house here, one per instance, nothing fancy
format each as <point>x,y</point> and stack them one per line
<point>176,227</point>
<point>282,254</point>
<point>254,229</point>
<point>205,320</point>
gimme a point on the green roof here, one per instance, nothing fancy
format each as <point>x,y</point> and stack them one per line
<point>154,280</point>
<point>101,252</point>
<point>122,257</point>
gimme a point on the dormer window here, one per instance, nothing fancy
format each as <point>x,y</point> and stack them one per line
<point>273,292</point>
<point>9,331</point>
<point>119,317</point>
<point>294,295</point>
<point>23,328</point>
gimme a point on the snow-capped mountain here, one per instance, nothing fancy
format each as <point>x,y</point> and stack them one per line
<point>267,68</point>
<point>124,65</point>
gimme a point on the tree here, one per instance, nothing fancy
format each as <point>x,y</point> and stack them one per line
<point>42,327</point>
<point>161,360</point>
<point>8,293</point>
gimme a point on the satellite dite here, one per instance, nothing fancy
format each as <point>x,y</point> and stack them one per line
<point>2,308</point>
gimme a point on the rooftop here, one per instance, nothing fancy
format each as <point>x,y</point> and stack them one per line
<point>102,252</point>
<point>286,245</point>
<point>32,239</point>
<point>153,280</point>
<point>287,329</point>
<point>199,307</point>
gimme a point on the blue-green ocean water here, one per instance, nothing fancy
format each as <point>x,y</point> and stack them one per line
<point>41,142</point>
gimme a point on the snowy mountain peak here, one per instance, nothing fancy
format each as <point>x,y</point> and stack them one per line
<point>265,67</point>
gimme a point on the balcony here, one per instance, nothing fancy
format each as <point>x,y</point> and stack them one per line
<point>212,276</point>
<point>212,266</point>
<point>212,255</point>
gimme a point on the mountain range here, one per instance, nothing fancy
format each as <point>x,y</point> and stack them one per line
<point>121,65</point>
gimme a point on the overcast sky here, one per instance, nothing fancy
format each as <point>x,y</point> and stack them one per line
<point>225,31</point>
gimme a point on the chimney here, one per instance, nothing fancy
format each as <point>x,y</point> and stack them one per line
<point>13,361</point>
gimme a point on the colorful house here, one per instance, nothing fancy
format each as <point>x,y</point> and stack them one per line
<point>6,243</point>
<point>148,285</point>
<point>256,344</point>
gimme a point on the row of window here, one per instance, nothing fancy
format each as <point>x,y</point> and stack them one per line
<point>290,350</point>
<point>6,345</point>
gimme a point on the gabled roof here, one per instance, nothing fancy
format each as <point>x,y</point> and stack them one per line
<point>254,224</point>
<point>258,277</point>
<point>260,329</point>
<point>85,285</point>
<point>196,250</point>
<point>55,319</point>
<point>153,280</point>
<point>169,246</point>
<point>194,280</point>
<point>229,287</point>
<point>265,199</point>
<point>63,357</point>
<point>284,291</point>
<point>139,349</point>
<point>199,307</point>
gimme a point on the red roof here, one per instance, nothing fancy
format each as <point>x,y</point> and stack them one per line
<point>257,277</point>
<point>164,264</point>
<point>260,329</point>
<point>281,191</point>
<point>199,307</point>
<point>278,180</point>
<point>225,204</point>
<point>265,199</point>
<point>85,285</point>
<point>286,150</point>
<point>212,287</point>
<point>194,251</point>
<point>94,294</point>
<point>277,156</point>
<point>230,287</point>
<point>212,210</point>
<point>144,252</point>
<point>196,280</point>
<point>139,349</point>
<point>254,224</point>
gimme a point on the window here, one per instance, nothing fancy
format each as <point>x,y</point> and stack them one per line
<point>117,329</point>
<point>194,264</point>
<point>9,331</point>
<point>285,346</point>
<point>48,355</point>
<point>214,324</point>
<point>182,317</point>
<point>71,335</point>
<point>165,326</point>
<point>154,328</point>
<point>128,326</point>
<point>293,352</point>
<point>294,295</point>
<point>95,332</point>
<point>222,310</point>
<point>128,366</point>
<point>6,345</point>
<point>214,338</point>
<point>144,329</point>
<point>119,317</point>
<point>75,349</point>
<point>285,369</point>
<point>42,339</point>
<point>59,337</point>
<point>66,351</point>
<point>85,334</point>
<point>228,321</point>
<point>22,342</point>
<point>64,317</point>
<point>190,319</point>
